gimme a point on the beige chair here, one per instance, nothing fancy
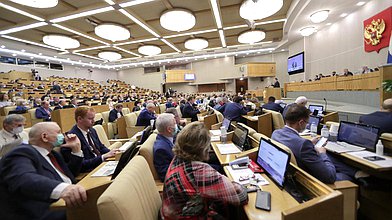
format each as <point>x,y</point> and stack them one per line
<point>104,139</point>
<point>132,195</point>
<point>7,109</point>
<point>34,120</point>
<point>179,111</point>
<point>111,125</point>
<point>251,131</point>
<point>131,128</point>
<point>162,108</point>
<point>126,111</point>
<point>137,112</point>
<point>277,119</point>
<point>386,139</point>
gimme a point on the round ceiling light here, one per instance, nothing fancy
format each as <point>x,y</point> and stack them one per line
<point>177,20</point>
<point>260,9</point>
<point>37,3</point>
<point>319,16</point>
<point>149,50</point>
<point>109,55</point>
<point>61,41</point>
<point>251,37</point>
<point>196,44</point>
<point>307,31</point>
<point>113,32</point>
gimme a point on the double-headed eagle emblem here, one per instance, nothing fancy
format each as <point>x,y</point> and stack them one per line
<point>373,32</point>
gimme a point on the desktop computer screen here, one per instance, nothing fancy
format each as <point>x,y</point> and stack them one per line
<point>319,108</point>
<point>240,136</point>
<point>273,160</point>
<point>313,119</point>
<point>359,134</point>
<point>226,123</point>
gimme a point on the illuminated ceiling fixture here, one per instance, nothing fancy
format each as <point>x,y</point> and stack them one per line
<point>259,9</point>
<point>60,41</point>
<point>113,32</point>
<point>251,37</point>
<point>149,50</point>
<point>319,16</point>
<point>37,3</point>
<point>307,31</point>
<point>196,44</point>
<point>109,55</point>
<point>177,20</point>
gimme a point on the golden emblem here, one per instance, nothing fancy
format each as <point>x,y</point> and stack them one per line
<point>373,32</point>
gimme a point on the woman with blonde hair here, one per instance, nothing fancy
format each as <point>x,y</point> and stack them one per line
<point>192,188</point>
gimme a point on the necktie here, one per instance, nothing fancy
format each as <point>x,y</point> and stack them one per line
<point>55,163</point>
<point>91,143</point>
<point>15,136</point>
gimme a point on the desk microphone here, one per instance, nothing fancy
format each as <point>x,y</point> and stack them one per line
<point>325,109</point>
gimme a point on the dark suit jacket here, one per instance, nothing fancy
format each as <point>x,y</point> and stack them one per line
<point>58,107</point>
<point>233,111</point>
<point>169,105</point>
<point>190,112</point>
<point>144,118</point>
<point>90,160</point>
<point>113,115</point>
<point>40,113</point>
<point>273,106</point>
<point>163,155</point>
<point>27,181</point>
<point>383,120</point>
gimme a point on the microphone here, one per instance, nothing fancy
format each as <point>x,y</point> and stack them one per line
<point>325,107</point>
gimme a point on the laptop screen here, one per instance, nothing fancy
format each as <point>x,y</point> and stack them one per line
<point>226,123</point>
<point>240,135</point>
<point>313,119</point>
<point>359,134</point>
<point>320,108</point>
<point>273,160</point>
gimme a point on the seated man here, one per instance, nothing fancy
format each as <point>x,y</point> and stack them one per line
<point>12,133</point>
<point>313,160</point>
<point>381,119</point>
<point>235,110</point>
<point>93,150</point>
<point>301,100</point>
<point>116,112</point>
<point>190,109</point>
<point>146,115</point>
<point>44,111</point>
<point>220,104</point>
<point>169,103</point>
<point>163,154</point>
<point>34,176</point>
<point>271,105</point>
<point>62,103</point>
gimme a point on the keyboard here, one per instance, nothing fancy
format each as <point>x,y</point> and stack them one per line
<point>342,147</point>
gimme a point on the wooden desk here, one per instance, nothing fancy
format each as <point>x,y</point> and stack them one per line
<point>224,159</point>
<point>262,125</point>
<point>275,92</point>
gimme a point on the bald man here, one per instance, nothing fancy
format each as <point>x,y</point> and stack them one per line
<point>381,119</point>
<point>32,176</point>
<point>300,100</point>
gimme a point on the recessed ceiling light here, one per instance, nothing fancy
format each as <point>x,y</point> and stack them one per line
<point>149,50</point>
<point>343,15</point>
<point>61,41</point>
<point>307,31</point>
<point>109,55</point>
<point>251,37</point>
<point>37,3</point>
<point>196,44</point>
<point>177,20</point>
<point>255,10</point>
<point>319,16</point>
<point>113,32</point>
<point>361,3</point>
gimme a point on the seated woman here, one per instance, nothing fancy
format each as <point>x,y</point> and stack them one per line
<point>192,188</point>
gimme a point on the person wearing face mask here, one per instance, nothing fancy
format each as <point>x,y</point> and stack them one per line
<point>314,160</point>
<point>116,113</point>
<point>12,133</point>
<point>33,176</point>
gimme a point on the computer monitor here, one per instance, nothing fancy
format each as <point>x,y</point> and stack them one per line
<point>226,123</point>
<point>313,119</point>
<point>240,136</point>
<point>274,160</point>
<point>126,157</point>
<point>359,134</point>
<point>319,109</point>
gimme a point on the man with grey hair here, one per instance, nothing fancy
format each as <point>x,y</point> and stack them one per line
<point>146,115</point>
<point>163,154</point>
<point>12,133</point>
<point>300,100</point>
<point>33,176</point>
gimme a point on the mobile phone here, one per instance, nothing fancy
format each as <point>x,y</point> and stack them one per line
<point>374,158</point>
<point>321,142</point>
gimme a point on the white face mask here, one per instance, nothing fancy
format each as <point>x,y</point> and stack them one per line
<point>17,130</point>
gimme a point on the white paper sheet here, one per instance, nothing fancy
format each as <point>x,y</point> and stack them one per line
<point>107,170</point>
<point>382,163</point>
<point>256,179</point>
<point>215,132</point>
<point>215,138</point>
<point>228,149</point>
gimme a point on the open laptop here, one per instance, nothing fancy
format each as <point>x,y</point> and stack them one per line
<point>273,160</point>
<point>240,142</point>
<point>312,119</point>
<point>355,137</point>
<point>316,109</point>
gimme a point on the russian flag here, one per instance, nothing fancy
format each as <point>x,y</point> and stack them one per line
<point>390,50</point>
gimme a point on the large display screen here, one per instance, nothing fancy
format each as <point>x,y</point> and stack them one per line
<point>296,64</point>
<point>189,76</point>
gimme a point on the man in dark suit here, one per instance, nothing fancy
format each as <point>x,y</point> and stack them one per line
<point>93,150</point>
<point>33,176</point>
<point>276,83</point>
<point>234,110</point>
<point>61,104</point>
<point>44,111</point>
<point>56,88</point>
<point>271,105</point>
<point>313,160</point>
<point>169,103</point>
<point>381,119</point>
<point>190,109</point>
<point>146,115</point>
<point>116,112</point>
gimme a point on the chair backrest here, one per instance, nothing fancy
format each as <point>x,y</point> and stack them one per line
<point>147,151</point>
<point>162,107</point>
<point>132,195</point>
<point>277,119</point>
<point>137,112</point>
<point>98,116</point>
<point>131,119</point>
<point>179,111</point>
<point>105,116</point>
<point>251,131</point>
<point>102,135</point>
<point>126,111</point>
<point>7,109</point>
<point>210,120</point>
<point>219,115</point>
<point>146,133</point>
<point>32,113</point>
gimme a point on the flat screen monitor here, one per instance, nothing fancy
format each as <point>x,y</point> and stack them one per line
<point>226,124</point>
<point>295,64</point>
<point>359,134</point>
<point>239,137</point>
<point>313,119</point>
<point>189,76</point>
<point>273,160</point>
<point>319,108</point>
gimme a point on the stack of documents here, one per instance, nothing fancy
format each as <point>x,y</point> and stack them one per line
<point>228,148</point>
<point>248,175</point>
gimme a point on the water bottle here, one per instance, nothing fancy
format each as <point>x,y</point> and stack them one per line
<point>324,132</point>
<point>313,129</point>
<point>379,148</point>
<point>223,135</point>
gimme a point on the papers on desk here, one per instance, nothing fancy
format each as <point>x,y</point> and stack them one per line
<point>106,170</point>
<point>215,138</point>
<point>215,132</point>
<point>248,175</point>
<point>228,148</point>
<point>382,163</point>
<point>254,118</point>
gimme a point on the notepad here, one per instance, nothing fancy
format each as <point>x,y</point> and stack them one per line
<point>228,148</point>
<point>106,170</point>
<point>215,138</point>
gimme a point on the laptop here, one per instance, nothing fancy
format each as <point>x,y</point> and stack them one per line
<point>273,160</point>
<point>355,137</point>
<point>312,119</point>
<point>239,140</point>
<point>316,109</point>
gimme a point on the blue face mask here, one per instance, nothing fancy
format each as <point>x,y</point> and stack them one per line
<point>175,131</point>
<point>59,141</point>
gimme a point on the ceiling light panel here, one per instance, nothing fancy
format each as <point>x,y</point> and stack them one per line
<point>61,41</point>
<point>37,3</point>
<point>319,16</point>
<point>134,2</point>
<point>190,33</point>
<point>137,21</point>
<point>25,27</point>
<point>222,38</point>
<point>251,37</point>
<point>127,51</point>
<point>215,10</point>
<point>149,50</point>
<point>79,33</point>
<point>261,9</point>
<point>31,42</point>
<point>82,14</point>
<point>196,44</point>
<point>170,45</point>
<point>136,41</point>
<point>109,55</point>
<point>112,32</point>
<point>21,12</point>
<point>177,20</point>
